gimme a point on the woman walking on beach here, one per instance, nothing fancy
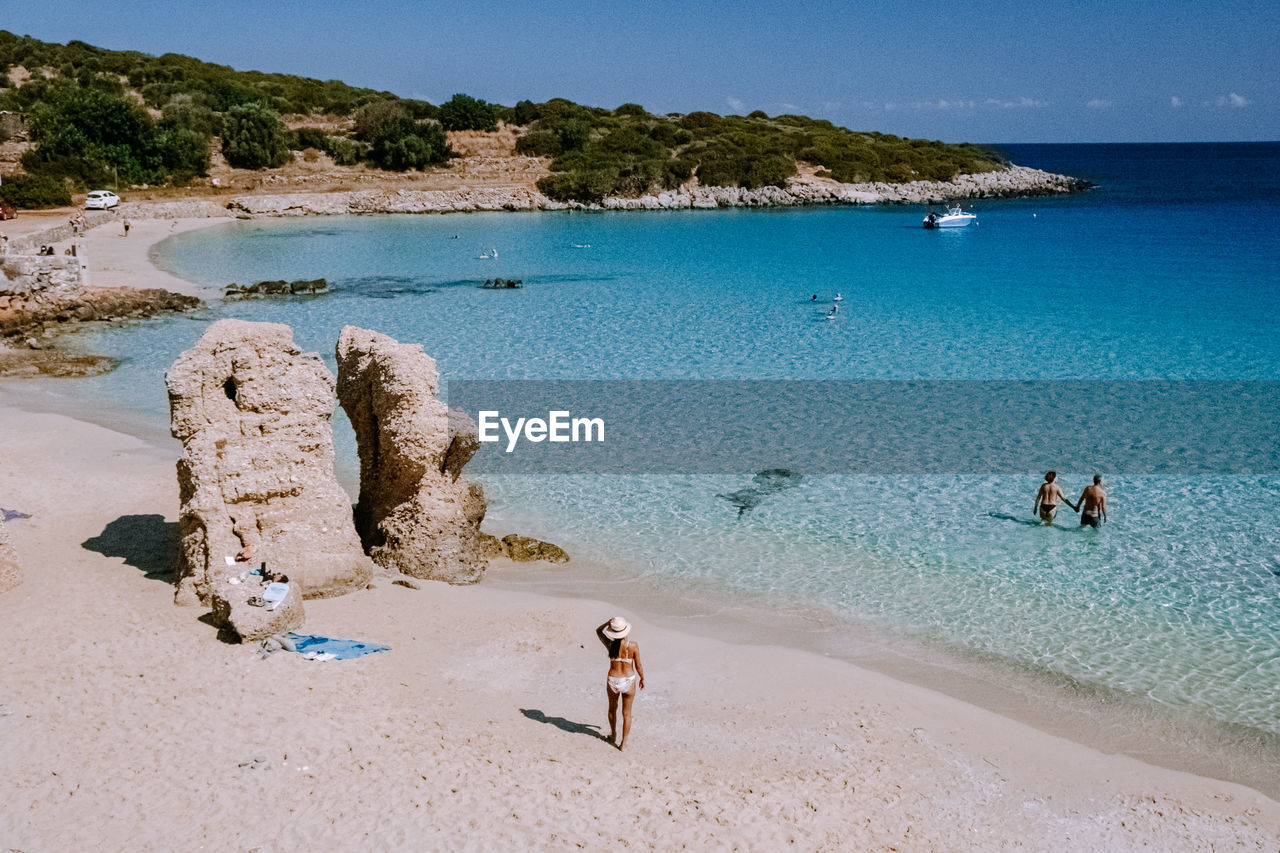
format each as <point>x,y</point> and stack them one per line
<point>626,674</point>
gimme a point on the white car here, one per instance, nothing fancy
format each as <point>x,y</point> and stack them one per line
<point>101,200</point>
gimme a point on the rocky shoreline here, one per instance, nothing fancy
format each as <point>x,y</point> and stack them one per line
<point>805,190</point>
<point>1014,182</point>
<point>42,295</point>
<point>42,312</point>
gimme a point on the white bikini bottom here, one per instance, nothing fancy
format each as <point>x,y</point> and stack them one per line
<point>622,683</point>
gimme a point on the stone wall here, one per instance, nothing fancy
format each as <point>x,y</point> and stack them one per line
<point>31,243</point>
<point>29,275</point>
<point>180,209</point>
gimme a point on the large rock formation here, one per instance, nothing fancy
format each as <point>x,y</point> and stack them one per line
<point>253,412</point>
<point>10,574</point>
<point>415,514</point>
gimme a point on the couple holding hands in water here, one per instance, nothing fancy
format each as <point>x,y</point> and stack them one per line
<point>1092,505</point>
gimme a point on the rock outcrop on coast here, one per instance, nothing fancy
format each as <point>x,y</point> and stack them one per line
<point>277,287</point>
<point>810,190</point>
<point>416,515</point>
<point>26,314</point>
<point>253,414</point>
<point>44,294</point>
<point>525,549</point>
<point>10,573</point>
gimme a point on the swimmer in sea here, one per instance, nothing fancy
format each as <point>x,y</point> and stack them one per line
<point>1047,498</point>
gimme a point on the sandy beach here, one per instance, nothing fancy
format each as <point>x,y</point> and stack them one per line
<point>126,724</point>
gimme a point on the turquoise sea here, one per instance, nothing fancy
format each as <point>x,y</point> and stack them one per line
<point>1158,635</point>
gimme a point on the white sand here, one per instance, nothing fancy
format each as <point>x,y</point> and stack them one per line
<point>125,722</point>
<point>119,261</point>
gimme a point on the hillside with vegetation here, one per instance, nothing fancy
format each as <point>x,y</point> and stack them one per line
<point>95,117</point>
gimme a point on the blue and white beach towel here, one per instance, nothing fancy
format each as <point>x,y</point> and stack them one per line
<point>340,649</point>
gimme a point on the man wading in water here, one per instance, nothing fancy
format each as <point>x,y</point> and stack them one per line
<point>1093,504</point>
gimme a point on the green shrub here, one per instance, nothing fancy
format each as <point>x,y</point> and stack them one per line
<point>345,152</point>
<point>664,133</point>
<point>374,118</point>
<point>589,186</point>
<point>572,134</point>
<point>189,112</point>
<point>700,121</point>
<point>407,144</point>
<point>254,138</point>
<point>420,110</point>
<point>525,113</point>
<point>186,153</point>
<point>675,173</point>
<point>307,137</point>
<point>35,192</point>
<point>768,170</point>
<point>463,112</point>
<point>538,143</point>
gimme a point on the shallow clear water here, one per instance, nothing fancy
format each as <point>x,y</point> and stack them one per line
<point>1175,603</point>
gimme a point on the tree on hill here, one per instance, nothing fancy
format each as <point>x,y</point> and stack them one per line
<point>463,112</point>
<point>524,112</point>
<point>373,119</point>
<point>254,138</point>
<point>407,144</point>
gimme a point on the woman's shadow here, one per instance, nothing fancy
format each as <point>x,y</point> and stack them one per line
<point>564,725</point>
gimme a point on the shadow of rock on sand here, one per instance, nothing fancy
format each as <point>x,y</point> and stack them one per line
<point>564,725</point>
<point>146,542</point>
<point>226,634</point>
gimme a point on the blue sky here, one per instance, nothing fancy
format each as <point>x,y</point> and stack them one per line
<point>978,70</point>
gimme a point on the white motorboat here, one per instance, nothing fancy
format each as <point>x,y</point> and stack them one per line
<point>953,218</point>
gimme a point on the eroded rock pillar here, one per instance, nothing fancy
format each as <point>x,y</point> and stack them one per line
<point>252,412</point>
<point>416,514</point>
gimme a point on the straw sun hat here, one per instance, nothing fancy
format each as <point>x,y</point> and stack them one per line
<point>617,628</point>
